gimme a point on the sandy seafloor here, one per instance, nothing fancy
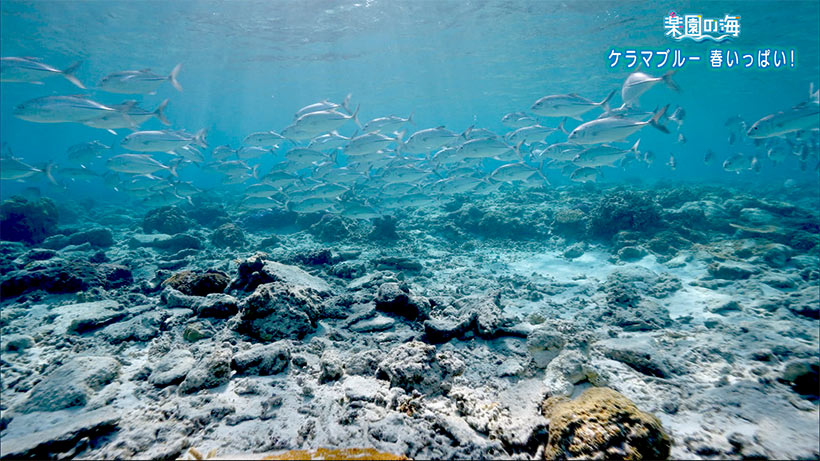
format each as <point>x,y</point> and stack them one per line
<point>700,304</point>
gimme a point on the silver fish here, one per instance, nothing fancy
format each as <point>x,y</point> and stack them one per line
<point>61,109</point>
<point>568,105</point>
<point>612,129</point>
<point>137,164</point>
<point>138,81</point>
<point>638,83</point>
<point>31,70</point>
<point>162,141</point>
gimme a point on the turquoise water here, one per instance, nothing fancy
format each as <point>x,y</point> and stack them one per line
<point>248,66</point>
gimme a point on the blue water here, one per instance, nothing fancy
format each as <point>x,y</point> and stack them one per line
<point>248,66</point>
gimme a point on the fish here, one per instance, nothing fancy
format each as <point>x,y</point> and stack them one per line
<point>637,83</point>
<point>138,164</point>
<point>12,168</point>
<point>738,163</point>
<point>709,157</point>
<point>302,157</point>
<point>559,151</point>
<point>517,120</point>
<point>190,153</point>
<point>61,109</point>
<point>568,105</point>
<point>86,151</point>
<point>162,141</point>
<point>531,134</point>
<point>404,174</point>
<point>455,185</point>
<point>804,116</point>
<point>328,141</point>
<point>612,129</point>
<point>359,211</point>
<point>31,70</point>
<point>425,141</point>
<point>323,105</point>
<point>263,139</point>
<point>138,81</point>
<point>418,199</point>
<point>677,116</point>
<point>369,143</point>
<point>249,152</point>
<point>681,138</point>
<point>672,163</point>
<point>604,155</point>
<point>732,138</point>
<point>81,173</point>
<point>222,152</point>
<point>516,172</point>
<point>310,205</point>
<point>258,203</point>
<point>483,148</point>
<point>261,189</point>
<point>389,123</point>
<point>296,133</point>
<point>279,178</point>
<point>128,115</point>
<point>584,174</point>
<point>324,121</point>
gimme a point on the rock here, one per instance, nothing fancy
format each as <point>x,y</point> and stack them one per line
<point>575,250</point>
<point>391,298</point>
<point>55,275</point>
<point>195,331</point>
<point>15,342</point>
<point>279,311</point>
<point>804,377</point>
<point>212,371</point>
<point>442,330</point>
<point>624,210</point>
<point>415,366</point>
<point>177,242</point>
<point>99,237</point>
<point>166,220</point>
<point>216,305</point>
<point>384,228</point>
<point>603,424</point>
<point>330,228</point>
<point>209,215</point>
<point>730,306</point>
<point>349,269</point>
<point>266,360</point>
<point>273,218</point>
<point>198,284</point>
<point>776,254</point>
<point>373,324</point>
<point>61,439</point>
<point>569,223</point>
<point>24,221</point>
<point>640,353</point>
<point>172,368</point>
<point>731,271</point>
<point>114,275</point>
<point>228,236</point>
<point>630,253</point>
<point>84,317</point>
<point>140,328</point>
<point>256,270</point>
<point>566,370</point>
<point>544,344</point>
<point>72,384</point>
<point>398,263</point>
<point>330,367</point>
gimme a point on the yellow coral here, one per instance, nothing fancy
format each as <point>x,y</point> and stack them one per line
<point>336,453</point>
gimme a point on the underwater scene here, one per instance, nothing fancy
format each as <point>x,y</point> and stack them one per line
<point>409,229</point>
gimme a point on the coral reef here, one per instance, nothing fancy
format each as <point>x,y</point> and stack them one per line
<point>25,221</point>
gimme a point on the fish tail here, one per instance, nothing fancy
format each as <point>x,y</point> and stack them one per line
<point>467,132</point>
<point>605,102</point>
<point>160,113</point>
<point>667,78</point>
<point>255,172</point>
<point>173,77</point>
<point>410,118</point>
<point>173,170</point>
<point>635,149</point>
<point>48,170</point>
<point>561,126</point>
<point>355,116</point>
<point>346,102</point>
<point>199,138</point>
<point>68,73</point>
<point>655,121</point>
<point>517,149</point>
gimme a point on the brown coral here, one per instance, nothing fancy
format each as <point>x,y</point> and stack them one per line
<point>602,424</point>
<point>336,453</point>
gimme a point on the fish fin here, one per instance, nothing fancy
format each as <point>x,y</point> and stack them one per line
<point>68,73</point>
<point>346,102</point>
<point>655,119</point>
<point>399,136</point>
<point>466,133</point>
<point>575,117</point>
<point>355,117</point>
<point>517,149</point>
<point>635,147</point>
<point>605,102</point>
<point>160,113</point>
<point>48,169</point>
<point>173,77</point>
<point>255,172</point>
<point>199,138</point>
<point>561,126</point>
<point>111,131</point>
<point>410,119</point>
<point>667,78</point>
